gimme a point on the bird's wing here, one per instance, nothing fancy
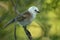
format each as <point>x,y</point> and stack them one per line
<point>23,16</point>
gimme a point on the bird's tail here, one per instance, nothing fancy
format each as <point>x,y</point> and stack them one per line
<point>11,21</point>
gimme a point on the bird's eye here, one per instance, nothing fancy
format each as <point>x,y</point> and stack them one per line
<point>35,10</point>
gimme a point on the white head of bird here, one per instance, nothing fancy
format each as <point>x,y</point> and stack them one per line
<point>33,10</point>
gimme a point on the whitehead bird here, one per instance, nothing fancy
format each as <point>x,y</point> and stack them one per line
<point>25,19</point>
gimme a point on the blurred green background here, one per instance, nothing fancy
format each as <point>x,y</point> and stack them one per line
<point>46,26</point>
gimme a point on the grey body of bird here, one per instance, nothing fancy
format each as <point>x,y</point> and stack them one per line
<point>26,17</point>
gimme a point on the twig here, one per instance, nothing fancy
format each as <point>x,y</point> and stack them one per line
<point>15,38</point>
<point>27,33</point>
<point>16,11</point>
<point>15,7</point>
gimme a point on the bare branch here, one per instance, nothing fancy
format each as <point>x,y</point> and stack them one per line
<point>15,7</point>
<point>16,11</point>
<point>15,37</point>
<point>27,33</point>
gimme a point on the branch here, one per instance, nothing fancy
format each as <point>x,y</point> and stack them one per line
<point>15,37</point>
<point>27,33</point>
<point>15,7</point>
<point>17,12</point>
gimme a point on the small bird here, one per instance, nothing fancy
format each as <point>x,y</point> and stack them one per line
<point>25,19</point>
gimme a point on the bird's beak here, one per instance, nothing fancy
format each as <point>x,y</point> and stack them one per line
<point>38,11</point>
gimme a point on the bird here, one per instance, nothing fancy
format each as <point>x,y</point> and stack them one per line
<point>25,19</point>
